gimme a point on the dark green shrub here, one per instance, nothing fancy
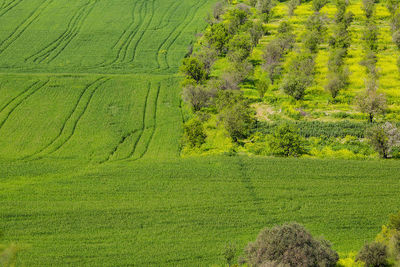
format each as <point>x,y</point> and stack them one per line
<point>217,36</point>
<point>312,40</point>
<point>318,4</point>
<point>396,38</point>
<point>373,255</point>
<point>239,47</point>
<point>368,8</point>
<point>194,134</point>
<point>286,142</point>
<point>289,245</point>
<point>194,69</point>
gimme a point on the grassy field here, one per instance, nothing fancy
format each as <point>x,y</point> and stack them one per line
<point>182,212</point>
<point>90,173</point>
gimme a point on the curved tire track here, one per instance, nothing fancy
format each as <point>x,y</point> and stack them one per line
<point>17,101</point>
<point>69,126</point>
<point>55,48</point>
<point>8,7</point>
<point>21,28</point>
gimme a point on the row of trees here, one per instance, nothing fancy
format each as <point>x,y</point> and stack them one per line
<point>339,42</point>
<point>232,34</point>
<point>370,101</point>
<point>300,72</point>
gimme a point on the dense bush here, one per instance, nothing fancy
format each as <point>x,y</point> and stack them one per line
<point>286,142</point>
<point>235,114</point>
<point>194,70</point>
<point>374,255</point>
<point>384,138</point>
<point>194,134</point>
<point>371,103</point>
<point>289,245</point>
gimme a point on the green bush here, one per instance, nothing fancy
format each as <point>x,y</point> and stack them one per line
<point>374,255</point>
<point>286,142</point>
<point>289,245</point>
<point>194,134</point>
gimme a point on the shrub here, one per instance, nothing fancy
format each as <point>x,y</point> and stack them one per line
<point>239,47</point>
<point>292,5</point>
<point>196,96</point>
<point>218,10</point>
<point>194,134</point>
<point>396,38</point>
<point>265,7</point>
<point>289,245</point>
<point>373,255</point>
<point>370,36</point>
<point>229,253</point>
<point>286,142</point>
<point>262,87</point>
<point>318,4</point>
<point>194,69</point>
<point>312,40</point>
<point>336,82</point>
<point>368,8</point>
<point>236,115</point>
<point>256,31</point>
<point>383,138</point>
<point>295,85</point>
<point>217,36</point>
<point>371,103</point>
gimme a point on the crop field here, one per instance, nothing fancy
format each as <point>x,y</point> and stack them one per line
<point>90,166</point>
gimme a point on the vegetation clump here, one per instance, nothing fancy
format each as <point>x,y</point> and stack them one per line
<point>289,245</point>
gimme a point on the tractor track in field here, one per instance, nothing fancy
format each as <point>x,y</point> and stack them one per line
<point>143,31</point>
<point>72,119</point>
<point>143,124</point>
<point>125,39</point>
<point>55,48</point>
<point>5,8</point>
<point>120,142</point>
<point>153,128</point>
<point>21,28</point>
<point>191,15</point>
<point>22,97</point>
<point>168,13</point>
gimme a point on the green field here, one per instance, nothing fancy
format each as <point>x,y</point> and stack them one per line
<point>90,166</point>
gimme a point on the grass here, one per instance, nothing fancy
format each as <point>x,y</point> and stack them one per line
<point>183,211</point>
<point>90,173</point>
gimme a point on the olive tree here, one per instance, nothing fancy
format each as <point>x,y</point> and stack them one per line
<point>289,245</point>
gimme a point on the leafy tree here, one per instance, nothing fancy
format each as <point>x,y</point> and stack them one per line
<point>316,22</point>
<point>217,36</point>
<point>337,81</point>
<point>194,69</point>
<point>312,40</point>
<point>318,4</point>
<point>207,56</point>
<point>392,6</point>
<point>396,38</point>
<point>369,62</point>
<point>370,36</point>
<point>197,96</point>
<point>262,87</point>
<point>264,7</point>
<point>371,103</point>
<point>229,253</point>
<point>286,142</point>
<point>299,76</point>
<point>292,5</point>
<point>219,10</point>
<point>373,255</point>
<point>256,32</point>
<point>235,18</point>
<point>194,134</point>
<point>236,115</point>
<point>289,245</point>
<point>273,54</point>
<point>383,138</point>
<point>368,8</point>
<point>239,47</point>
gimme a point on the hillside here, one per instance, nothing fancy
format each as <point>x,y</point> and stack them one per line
<point>310,69</point>
<point>91,169</point>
